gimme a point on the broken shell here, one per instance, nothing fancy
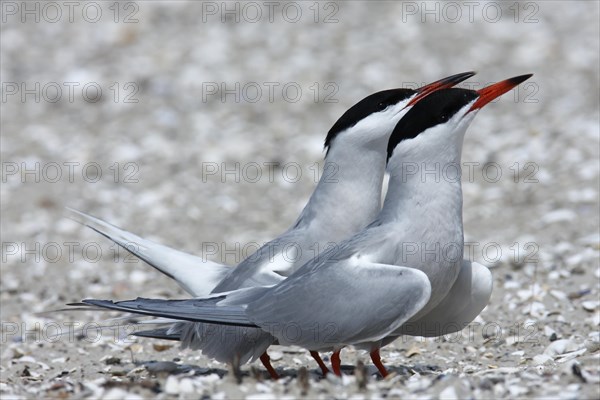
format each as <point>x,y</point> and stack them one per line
<point>590,305</point>
<point>414,350</point>
<point>161,347</point>
<point>559,347</point>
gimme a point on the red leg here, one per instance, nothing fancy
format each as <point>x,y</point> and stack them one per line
<point>266,360</point>
<point>377,361</point>
<point>336,363</point>
<point>317,358</point>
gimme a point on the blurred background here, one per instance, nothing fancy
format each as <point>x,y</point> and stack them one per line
<point>124,110</point>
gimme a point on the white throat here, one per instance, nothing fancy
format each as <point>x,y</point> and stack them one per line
<point>423,205</point>
<point>348,195</point>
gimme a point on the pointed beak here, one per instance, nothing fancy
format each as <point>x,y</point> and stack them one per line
<point>445,83</point>
<point>496,90</point>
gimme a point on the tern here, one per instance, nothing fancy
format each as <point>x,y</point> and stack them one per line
<point>356,146</point>
<point>369,290</point>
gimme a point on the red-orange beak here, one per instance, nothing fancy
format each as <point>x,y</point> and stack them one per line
<point>441,84</point>
<point>496,90</point>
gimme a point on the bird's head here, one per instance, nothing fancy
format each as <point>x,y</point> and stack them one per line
<point>371,121</point>
<point>436,124</point>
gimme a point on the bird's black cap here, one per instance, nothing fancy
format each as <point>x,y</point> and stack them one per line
<point>373,103</point>
<point>437,108</point>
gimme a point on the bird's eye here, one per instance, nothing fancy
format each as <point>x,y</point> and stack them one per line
<point>382,106</point>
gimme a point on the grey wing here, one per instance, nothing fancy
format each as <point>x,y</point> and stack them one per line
<point>197,310</point>
<point>341,303</point>
<point>158,333</point>
<point>270,264</point>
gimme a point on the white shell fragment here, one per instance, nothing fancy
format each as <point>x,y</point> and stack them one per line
<point>590,305</point>
<point>560,347</point>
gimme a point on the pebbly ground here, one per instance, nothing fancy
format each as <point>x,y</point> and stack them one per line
<point>165,141</point>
